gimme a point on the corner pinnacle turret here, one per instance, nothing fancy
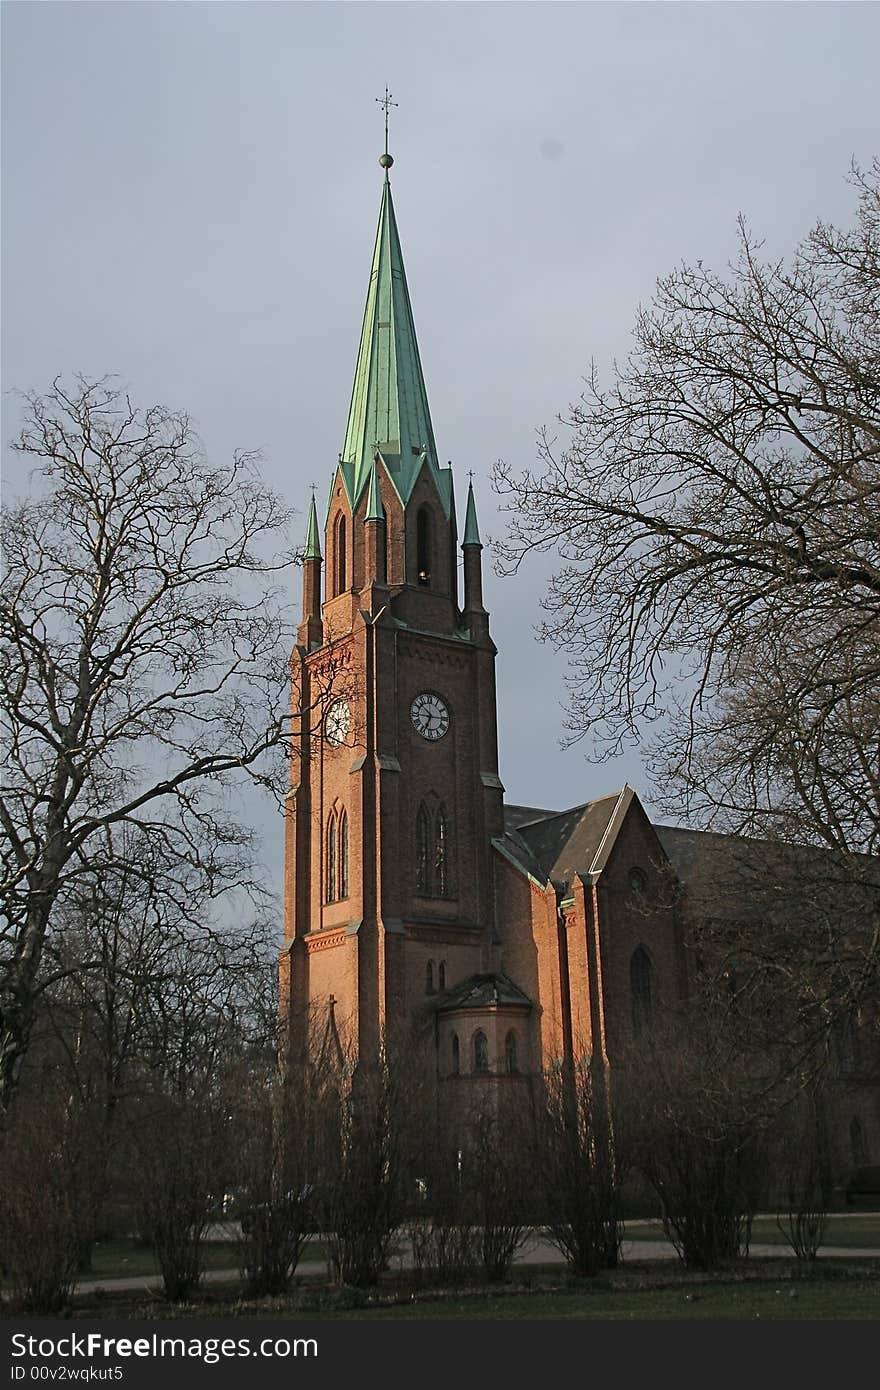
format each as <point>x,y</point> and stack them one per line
<point>313,544</point>
<point>471,530</point>
<point>310,632</point>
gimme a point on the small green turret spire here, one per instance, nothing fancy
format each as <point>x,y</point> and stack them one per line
<point>471,530</point>
<point>313,545</point>
<point>374,497</point>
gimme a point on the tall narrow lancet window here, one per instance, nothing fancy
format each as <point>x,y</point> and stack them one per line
<point>456,1055</point>
<point>429,977</point>
<point>423,850</point>
<point>332,845</point>
<point>441,853</point>
<point>340,557</point>
<point>343,854</point>
<point>441,975</point>
<point>510,1054</point>
<point>423,545</point>
<point>481,1051</point>
<point>640,988</point>
<point>433,872</point>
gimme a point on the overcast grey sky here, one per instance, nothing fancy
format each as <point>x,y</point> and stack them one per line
<point>190,193</point>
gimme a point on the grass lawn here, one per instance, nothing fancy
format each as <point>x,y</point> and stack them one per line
<point>776,1300</point>
<point>655,1292</point>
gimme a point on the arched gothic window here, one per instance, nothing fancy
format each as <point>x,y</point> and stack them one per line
<point>429,977</point>
<point>332,863</point>
<point>433,869</point>
<point>456,1055</point>
<point>640,987</point>
<point>441,975</point>
<point>340,557</point>
<point>343,854</point>
<point>336,882</point>
<point>481,1051</point>
<point>510,1054</point>
<point>423,851</point>
<point>423,545</point>
<point>441,853</point>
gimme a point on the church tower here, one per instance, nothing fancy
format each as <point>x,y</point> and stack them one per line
<point>394,796</point>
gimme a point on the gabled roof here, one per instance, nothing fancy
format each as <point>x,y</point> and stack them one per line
<point>389,404</point>
<point>482,992</point>
<point>577,841</point>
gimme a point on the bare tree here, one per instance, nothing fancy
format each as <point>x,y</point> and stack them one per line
<point>142,659</point>
<point>142,997</point>
<point>717,512</point>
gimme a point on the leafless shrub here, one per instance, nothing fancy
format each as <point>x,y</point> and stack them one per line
<point>578,1170</point>
<point>802,1158</point>
<point>276,1170</point>
<point>498,1153</point>
<point>179,1170</point>
<point>38,1226</point>
<point>696,1106</point>
<point>363,1184</point>
<point>444,1238</point>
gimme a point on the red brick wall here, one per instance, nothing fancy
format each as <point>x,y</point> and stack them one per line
<point>628,920</point>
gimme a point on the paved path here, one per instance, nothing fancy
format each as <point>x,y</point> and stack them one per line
<point>535,1251</point>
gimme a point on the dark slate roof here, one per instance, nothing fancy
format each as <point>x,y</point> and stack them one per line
<point>515,816</point>
<point>750,880</point>
<point>565,843</point>
<point>481,992</point>
<point>513,844</point>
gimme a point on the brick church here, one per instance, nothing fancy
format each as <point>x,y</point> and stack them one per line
<point>412,889</point>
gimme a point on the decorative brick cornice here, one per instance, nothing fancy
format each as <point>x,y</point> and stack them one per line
<point>435,653</point>
<point>323,941</point>
<point>330,660</point>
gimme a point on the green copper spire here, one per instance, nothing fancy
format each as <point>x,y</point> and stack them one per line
<point>313,545</point>
<point>389,404</point>
<point>374,497</point>
<point>471,531</point>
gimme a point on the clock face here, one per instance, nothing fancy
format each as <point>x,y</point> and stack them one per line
<point>337,722</point>
<point>430,716</point>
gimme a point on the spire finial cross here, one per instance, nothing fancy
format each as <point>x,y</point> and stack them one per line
<point>386,103</point>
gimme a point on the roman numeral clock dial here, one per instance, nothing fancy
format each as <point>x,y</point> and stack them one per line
<point>337,723</point>
<point>430,716</point>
